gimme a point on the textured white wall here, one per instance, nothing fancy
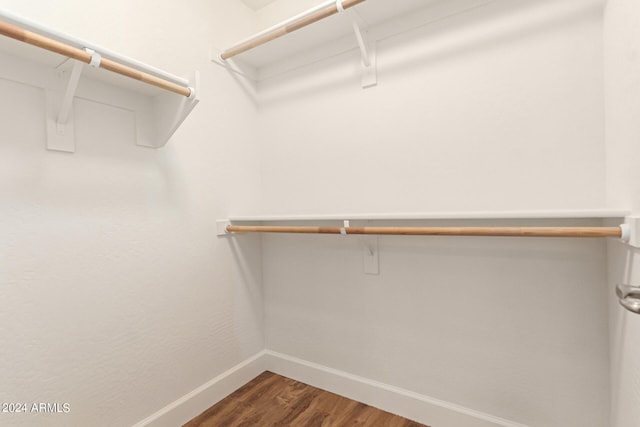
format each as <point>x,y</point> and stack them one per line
<point>118,299</point>
<point>622,84</point>
<point>116,296</point>
<point>513,328</point>
<point>277,11</point>
<point>497,109</point>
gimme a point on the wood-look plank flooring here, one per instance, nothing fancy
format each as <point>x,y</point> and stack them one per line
<point>274,400</point>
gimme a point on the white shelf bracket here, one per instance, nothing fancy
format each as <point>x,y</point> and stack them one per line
<point>370,73</point>
<point>368,52</point>
<point>156,124</point>
<point>361,43</point>
<point>370,255</point>
<point>60,123</point>
<point>67,100</point>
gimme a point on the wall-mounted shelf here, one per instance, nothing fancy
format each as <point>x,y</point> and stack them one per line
<point>582,223</point>
<point>611,223</point>
<point>376,20</point>
<point>567,217</point>
<point>464,215</point>
<point>381,20</point>
<point>161,101</point>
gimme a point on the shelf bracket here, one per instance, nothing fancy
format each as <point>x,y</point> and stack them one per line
<point>60,122</point>
<point>156,124</point>
<point>370,73</point>
<point>368,52</point>
<point>370,254</point>
<point>67,100</point>
<point>360,39</point>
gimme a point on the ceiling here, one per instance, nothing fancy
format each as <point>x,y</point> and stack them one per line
<point>257,4</point>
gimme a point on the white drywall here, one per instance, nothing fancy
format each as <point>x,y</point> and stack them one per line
<point>622,84</point>
<point>116,297</point>
<point>118,300</point>
<point>512,328</point>
<point>500,108</point>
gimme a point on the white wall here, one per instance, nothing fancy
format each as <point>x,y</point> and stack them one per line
<point>515,329</point>
<point>116,296</point>
<point>118,300</point>
<point>501,108</point>
<point>622,83</point>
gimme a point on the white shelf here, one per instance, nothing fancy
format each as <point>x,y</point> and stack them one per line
<point>379,19</point>
<point>159,113</point>
<point>383,20</point>
<point>622,217</point>
<point>467,215</point>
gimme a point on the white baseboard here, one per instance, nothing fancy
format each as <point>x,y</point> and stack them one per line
<point>414,406</point>
<point>417,407</point>
<point>208,394</point>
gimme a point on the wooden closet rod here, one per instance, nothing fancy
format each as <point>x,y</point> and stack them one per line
<point>313,15</point>
<point>439,231</point>
<point>51,45</point>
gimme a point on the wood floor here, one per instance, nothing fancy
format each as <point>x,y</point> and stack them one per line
<point>273,400</point>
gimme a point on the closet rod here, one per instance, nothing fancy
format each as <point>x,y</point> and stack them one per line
<point>439,231</point>
<point>51,45</point>
<point>315,14</point>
